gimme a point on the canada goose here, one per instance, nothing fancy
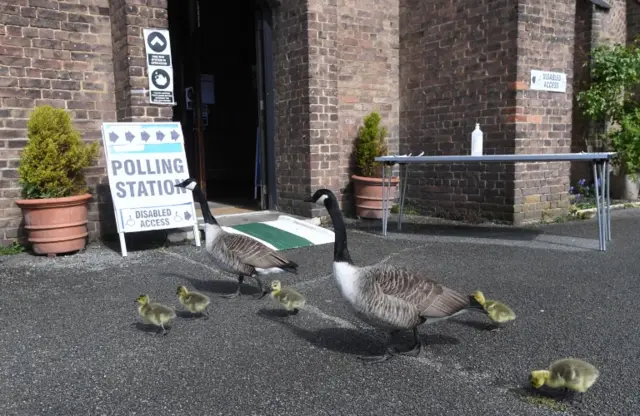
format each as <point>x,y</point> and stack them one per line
<point>498,312</point>
<point>287,297</point>
<point>195,302</point>
<point>237,253</point>
<point>155,313</point>
<point>568,373</point>
<point>389,297</point>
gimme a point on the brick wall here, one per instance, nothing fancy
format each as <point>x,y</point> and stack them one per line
<point>633,20</point>
<point>57,53</point>
<point>128,19</point>
<point>291,61</point>
<point>368,39</point>
<point>324,150</point>
<point>335,62</point>
<point>458,67</point>
<point>545,41</point>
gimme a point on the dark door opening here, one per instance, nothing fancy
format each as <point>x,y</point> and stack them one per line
<point>227,140</point>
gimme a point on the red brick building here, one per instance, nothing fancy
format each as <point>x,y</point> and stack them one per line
<point>431,68</point>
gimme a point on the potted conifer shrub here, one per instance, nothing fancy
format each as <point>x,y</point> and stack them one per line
<point>371,143</point>
<point>51,173</point>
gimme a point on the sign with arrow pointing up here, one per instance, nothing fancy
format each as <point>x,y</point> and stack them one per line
<point>159,66</point>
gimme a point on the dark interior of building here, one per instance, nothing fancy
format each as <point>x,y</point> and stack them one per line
<point>226,44</point>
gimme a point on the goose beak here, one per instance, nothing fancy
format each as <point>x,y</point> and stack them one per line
<point>310,199</point>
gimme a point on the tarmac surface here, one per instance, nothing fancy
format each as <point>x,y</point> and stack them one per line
<point>71,342</point>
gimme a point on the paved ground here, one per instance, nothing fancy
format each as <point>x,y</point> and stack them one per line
<point>70,343</point>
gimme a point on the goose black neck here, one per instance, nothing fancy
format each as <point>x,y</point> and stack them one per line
<point>204,207</point>
<point>340,250</point>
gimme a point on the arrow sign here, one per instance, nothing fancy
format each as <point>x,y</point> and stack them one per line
<point>174,135</point>
<point>113,137</point>
<point>187,216</point>
<point>159,135</point>
<point>144,136</point>
<point>128,136</point>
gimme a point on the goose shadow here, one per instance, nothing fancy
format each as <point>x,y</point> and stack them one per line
<point>477,325</point>
<point>150,329</point>
<point>543,396</point>
<point>346,340</point>
<point>220,287</point>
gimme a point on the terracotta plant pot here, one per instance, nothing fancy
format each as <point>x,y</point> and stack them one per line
<point>368,196</point>
<point>56,225</point>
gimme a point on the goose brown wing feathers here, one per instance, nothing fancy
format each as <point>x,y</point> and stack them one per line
<point>430,298</point>
<point>256,254</point>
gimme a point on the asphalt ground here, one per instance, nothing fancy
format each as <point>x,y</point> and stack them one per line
<point>71,342</point>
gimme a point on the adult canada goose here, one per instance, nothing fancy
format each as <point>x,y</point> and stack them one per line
<point>389,297</point>
<point>237,253</point>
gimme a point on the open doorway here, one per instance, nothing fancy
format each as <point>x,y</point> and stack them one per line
<point>227,132</point>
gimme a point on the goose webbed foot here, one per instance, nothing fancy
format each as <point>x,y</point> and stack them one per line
<point>413,352</point>
<point>237,292</point>
<point>262,292</point>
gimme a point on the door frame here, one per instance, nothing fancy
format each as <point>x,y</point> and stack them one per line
<point>264,30</point>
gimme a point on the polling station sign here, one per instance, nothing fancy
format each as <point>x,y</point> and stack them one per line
<point>144,163</point>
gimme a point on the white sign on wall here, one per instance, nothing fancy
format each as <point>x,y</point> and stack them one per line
<point>548,81</point>
<point>159,66</point>
<point>144,163</point>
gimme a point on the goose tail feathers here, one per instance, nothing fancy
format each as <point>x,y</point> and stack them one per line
<point>290,267</point>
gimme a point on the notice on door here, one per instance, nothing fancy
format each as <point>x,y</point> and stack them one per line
<point>144,163</point>
<point>159,66</point>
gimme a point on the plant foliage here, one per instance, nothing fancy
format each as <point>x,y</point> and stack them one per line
<point>371,143</point>
<point>611,99</point>
<point>53,161</point>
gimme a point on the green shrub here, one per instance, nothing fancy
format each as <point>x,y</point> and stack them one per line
<point>53,161</point>
<point>625,139</point>
<point>611,101</point>
<point>370,144</point>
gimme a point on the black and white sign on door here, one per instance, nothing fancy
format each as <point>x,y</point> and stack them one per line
<point>159,66</point>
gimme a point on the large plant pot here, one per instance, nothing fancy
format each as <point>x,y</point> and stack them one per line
<point>368,196</point>
<point>56,225</point>
<point>624,187</point>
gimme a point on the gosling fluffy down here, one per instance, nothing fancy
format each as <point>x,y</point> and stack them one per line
<point>568,373</point>
<point>154,313</point>
<point>195,302</point>
<point>287,297</point>
<point>497,311</point>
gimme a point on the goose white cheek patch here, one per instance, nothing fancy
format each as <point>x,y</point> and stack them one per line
<point>321,199</point>
<point>191,186</point>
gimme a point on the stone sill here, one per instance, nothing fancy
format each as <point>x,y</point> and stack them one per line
<point>591,212</point>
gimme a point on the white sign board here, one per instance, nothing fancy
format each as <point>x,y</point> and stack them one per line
<point>548,81</point>
<point>159,66</point>
<point>144,163</point>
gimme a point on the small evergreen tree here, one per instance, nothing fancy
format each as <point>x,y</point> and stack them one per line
<point>53,161</point>
<point>370,144</point>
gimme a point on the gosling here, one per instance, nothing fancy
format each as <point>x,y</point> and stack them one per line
<point>287,297</point>
<point>195,302</point>
<point>497,311</point>
<point>571,374</point>
<point>154,313</point>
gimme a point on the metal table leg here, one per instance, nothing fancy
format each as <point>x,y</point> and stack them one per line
<point>607,179</point>
<point>599,206</point>
<point>403,192</point>
<point>384,200</point>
